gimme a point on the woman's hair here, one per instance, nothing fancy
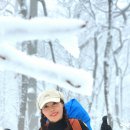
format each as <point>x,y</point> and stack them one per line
<point>65,117</point>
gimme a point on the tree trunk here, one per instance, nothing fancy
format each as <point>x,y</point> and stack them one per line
<point>107,57</point>
<point>32,91</point>
<point>21,120</point>
<point>28,103</point>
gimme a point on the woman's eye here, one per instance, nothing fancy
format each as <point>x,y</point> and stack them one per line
<point>54,103</point>
<point>45,106</point>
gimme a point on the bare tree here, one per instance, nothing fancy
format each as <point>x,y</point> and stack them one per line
<point>23,104</point>
<point>28,98</point>
<point>107,56</point>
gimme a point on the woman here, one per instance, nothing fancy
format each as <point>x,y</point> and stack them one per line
<point>53,113</point>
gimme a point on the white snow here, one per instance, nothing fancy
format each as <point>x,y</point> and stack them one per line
<point>11,59</point>
<point>122,4</point>
<point>42,28</point>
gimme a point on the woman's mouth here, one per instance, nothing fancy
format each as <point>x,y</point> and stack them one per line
<point>54,114</point>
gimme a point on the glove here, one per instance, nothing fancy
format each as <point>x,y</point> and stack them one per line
<point>104,125</point>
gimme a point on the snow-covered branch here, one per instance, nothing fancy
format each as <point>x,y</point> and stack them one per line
<point>13,29</point>
<point>42,69</point>
<point>42,28</point>
<point>18,29</point>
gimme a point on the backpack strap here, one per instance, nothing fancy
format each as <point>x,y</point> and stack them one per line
<point>75,124</point>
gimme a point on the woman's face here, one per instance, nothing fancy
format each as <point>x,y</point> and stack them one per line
<point>53,111</point>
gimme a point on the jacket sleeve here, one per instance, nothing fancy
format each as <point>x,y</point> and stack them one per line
<point>83,125</point>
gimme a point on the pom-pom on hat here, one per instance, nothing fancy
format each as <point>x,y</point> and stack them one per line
<point>49,96</point>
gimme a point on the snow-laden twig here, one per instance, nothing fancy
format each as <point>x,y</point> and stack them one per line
<point>42,28</point>
<point>42,69</point>
<point>17,29</point>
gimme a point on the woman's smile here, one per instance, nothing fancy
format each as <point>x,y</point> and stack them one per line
<point>54,114</point>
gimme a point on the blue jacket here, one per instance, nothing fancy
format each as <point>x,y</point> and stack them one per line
<point>75,110</point>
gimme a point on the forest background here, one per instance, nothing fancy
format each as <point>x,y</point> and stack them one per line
<point>104,50</point>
